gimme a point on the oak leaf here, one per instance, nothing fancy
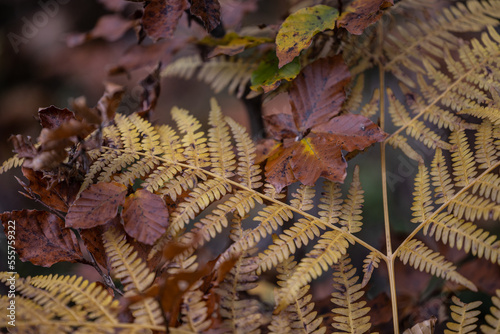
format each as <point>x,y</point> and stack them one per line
<point>362,13</point>
<point>298,29</point>
<point>309,140</point>
<point>97,205</point>
<point>145,216</point>
<point>41,238</point>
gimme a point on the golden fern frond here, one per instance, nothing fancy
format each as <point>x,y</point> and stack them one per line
<point>219,143</point>
<point>464,316</point>
<point>422,258</point>
<point>194,311</point>
<point>331,203</point>
<point>351,217</point>
<point>441,178</point>
<point>147,312</point>
<point>473,207</point>
<point>355,95</point>
<point>422,201</point>
<point>327,251</point>
<point>10,163</point>
<point>350,315</point>
<point>493,319</point>
<point>248,171</point>
<point>401,142</point>
<point>125,263</point>
<point>298,316</point>
<point>369,264</point>
<point>303,198</point>
<point>490,113</point>
<point>488,186</point>
<point>464,168</point>
<point>371,108</point>
<point>486,152</point>
<point>219,73</point>
<point>464,235</point>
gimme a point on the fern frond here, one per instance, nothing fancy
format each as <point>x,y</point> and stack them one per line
<point>493,319</point>
<point>351,216</point>
<point>488,186</point>
<point>351,314</point>
<point>464,235</point>
<point>302,199</point>
<point>441,178</point>
<point>195,312</point>
<point>490,113</point>
<point>401,142</point>
<point>125,263</point>
<point>464,168</point>
<point>219,143</point>
<point>371,108</point>
<point>10,163</point>
<point>422,201</point>
<point>422,258</point>
<point>473,207</point>
<point>464,316</point>
<point>327,251</point>
<point>147,312</point>
<point>355,95</point>
<point>486,153</point>
<point>369,264</point>
<point>298,316</point>
<point>219,73</point>
<point>331,203</point>
<point>248,171</point>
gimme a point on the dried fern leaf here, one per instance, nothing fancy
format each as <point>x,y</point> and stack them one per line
<point>490,113</point>
<point>488,186</point>
<point>331,203</point>
<point>473,207</point>
<point>441,178</point>
<point>369,264</point>
<point>464,168</point>
<point>327,251</point>
<point>486,152</point>
<point>351,216</point>
<point>125,263</point>
<point>422,258</point>
<point>350,315</point>
<point>464,235</point>
<point>372,107</point>
<point>147,312</point>
<point>194,311</point>
<point>298,316</point>
<point>493,319</point>
<point>10,163</point>
<point>422,201</point>
<point>303,198</point>
<point>398,141</point>
<point>355,95</point>
<point>464,316</point>
<point>219,143</point>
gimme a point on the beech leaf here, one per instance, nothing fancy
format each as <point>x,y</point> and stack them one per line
<point>362,13</point>
<point>145,216</point>
<point>298,29</point>
<point>96,205</point>
<point>41,237</point>
<point>161,17</point>
<point>208,11</point>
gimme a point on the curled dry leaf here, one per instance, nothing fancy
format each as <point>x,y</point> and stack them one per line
<point>298,29</point>
<point>97,205</point>
<point>311,139</point>
<point>109,27</point>
<point>145,216</point>
<point>41,238</point>
<point>161,17</point>
<point>362,13</point>
<point>208,11</point>
<point>53,117</point>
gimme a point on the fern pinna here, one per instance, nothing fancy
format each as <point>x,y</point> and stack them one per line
<point>152,199</point>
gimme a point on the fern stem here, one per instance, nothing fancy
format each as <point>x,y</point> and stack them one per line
<point>445,204</point>
<point>264,197</point>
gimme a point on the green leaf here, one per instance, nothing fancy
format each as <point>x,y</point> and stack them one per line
<point>298,29</point>
<point>268,75</point>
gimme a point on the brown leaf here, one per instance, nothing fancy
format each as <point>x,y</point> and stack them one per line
<point>97,205</point>
<point>56,195</point>
<point>108,27</point>
<point>53,117</point>
<point>145,216</point>
<point>23,146</point>
<point>150,93</point>
<point>41,238</point>
<point>318,92</point>
<point>362,13</point>
<point>208,11</point>
<point>109,102</point>
<point>161,17</point>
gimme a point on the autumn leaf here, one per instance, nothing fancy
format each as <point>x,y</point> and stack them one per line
<point>53,117</point>
<point>145,216</point>
<point>309,140</point>
<point>97,205</point>
<point>161,17</point>
<point>298,29</point>
<point>108,27</point>
<point>362,13</point>
<point>208,11</point>
<point>268,75</point>
<point>41,237</point>
<point>232,44</point>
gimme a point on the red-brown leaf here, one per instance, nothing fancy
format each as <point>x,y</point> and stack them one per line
<point>161,17</point>
<point>97,205</point>
<point>318,92</point>
<point>145,216</point>
<point>41,238</point>
<point>362,13</point>
<point>208,11</point>
<point>53,117</point>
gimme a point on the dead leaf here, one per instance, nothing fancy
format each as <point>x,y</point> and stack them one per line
<point>161,17</point>
<point>208,11</point>
<point>145,216</point>
<point>109,27</point>
<point>109,102</point>
<point>23,146</point>
<point>310,140</point>
<point>362,13</point>
<point>150,93</point>
<point>41,238</point>
<point>97,205</point>
<point>52,117</point>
